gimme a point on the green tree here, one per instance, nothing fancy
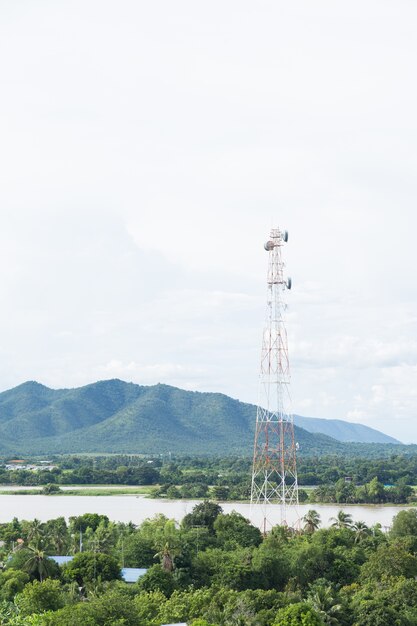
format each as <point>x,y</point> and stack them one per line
<point>203,514</point>
<point>56,530</point>
<point>390,560</point>
<point>12,582</point>
<point>234,529</point>
<point>311,521</point>
<point>88,520</point>
<point>37,563</point>
<point>38,597</point>
<point>342,520</point>
<point>137,550</point>
<point>377,613</point>
<point>404,523</point>
<point>361,531</point>
<point>401,492</point>
<point>113,608</point>
<point>51,489</point>
<point>323,599</point>
<point>157,579</point>
<point>105,537</point>
<point>87,567</point>
<point>173,493</point>
<point>166,555</point>
<point>34,530</point>
<point>376,491</point>
<point>298,614</point>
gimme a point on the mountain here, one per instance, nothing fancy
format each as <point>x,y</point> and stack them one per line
<point>115,416</point>
<point>343,431</point>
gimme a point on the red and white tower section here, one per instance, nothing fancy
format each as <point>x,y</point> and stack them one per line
<point>274,474</point>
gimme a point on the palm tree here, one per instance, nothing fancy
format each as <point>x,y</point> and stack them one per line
<point>361,531</point>
<point>311,521</point>
<point>37,563</point>
<point>321,598</point>
<point>167,558</point>
<point>342,520</point>
<point>35,530</point>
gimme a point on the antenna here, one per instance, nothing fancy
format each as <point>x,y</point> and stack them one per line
<point>274,473</point>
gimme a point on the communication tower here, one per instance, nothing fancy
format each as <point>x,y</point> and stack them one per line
<point>274,474</point>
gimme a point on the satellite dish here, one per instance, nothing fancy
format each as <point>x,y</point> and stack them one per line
<point>285,236</point>
<point>289,283</point>
<point>269,245</point>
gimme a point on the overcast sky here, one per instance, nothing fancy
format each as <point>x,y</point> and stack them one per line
<point>146,149</point>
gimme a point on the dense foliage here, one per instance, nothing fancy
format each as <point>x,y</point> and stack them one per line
<point>115,416</point>
<point>212,570</point>
<point>336,478</point>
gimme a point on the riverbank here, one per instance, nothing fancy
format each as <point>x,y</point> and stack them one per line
<point>79,490</point>
<point>146,491</point>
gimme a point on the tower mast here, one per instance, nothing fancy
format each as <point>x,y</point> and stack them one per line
<point>274,473</point>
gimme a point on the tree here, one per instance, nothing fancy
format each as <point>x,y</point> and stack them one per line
<point>220,492</point>
<point>167,557</point>
<point>105,536</point>
<point>34,530</point>
<point>51,489</point>
<point>137,551</point>
<point>342,520</point>
<point>231,569</point>
<point>159,530</point>
<point>38,597</point>
<point>37,563</point>
<point>325,555</point>
<point>376,491</point>
<point>88,520</point>
<point>234,529</point>
<point>401,492</point>
<point>157,579</point>
<point>298,614</point>
<point>361,531</point>
<point>323,600</point>
<point>377,613</point>
<point>203,514</point>
<point>404,523</point>
<point>311,521</point>
<point>112,608</point>
<point>87,567</point>
<point>390,560</point>
<point>173,492</point>
<point>12,582</point>
<point>56,531</point>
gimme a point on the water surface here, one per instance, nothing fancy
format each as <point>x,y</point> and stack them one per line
<point>131,508</point>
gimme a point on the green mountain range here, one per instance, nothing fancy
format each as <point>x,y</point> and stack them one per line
<point>343,431</point>
<point>114,416</point>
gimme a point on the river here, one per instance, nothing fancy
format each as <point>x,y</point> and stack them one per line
<point>126,508</point>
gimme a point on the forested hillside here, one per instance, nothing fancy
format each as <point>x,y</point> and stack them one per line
<point>115,416</point>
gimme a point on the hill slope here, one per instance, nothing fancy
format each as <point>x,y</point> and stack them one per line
<point>115,416</point>
<point>343,431</point>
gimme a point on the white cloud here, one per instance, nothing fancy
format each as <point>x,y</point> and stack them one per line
<point>147,149</point>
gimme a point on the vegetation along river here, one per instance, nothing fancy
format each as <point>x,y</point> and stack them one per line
<point>126,508</point>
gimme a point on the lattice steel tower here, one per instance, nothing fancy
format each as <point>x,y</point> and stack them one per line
<point>274,475</point>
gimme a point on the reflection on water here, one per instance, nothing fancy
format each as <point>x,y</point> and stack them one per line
<point>128,508</point>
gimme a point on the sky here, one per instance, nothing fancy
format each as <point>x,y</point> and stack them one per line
<point>147,148</point>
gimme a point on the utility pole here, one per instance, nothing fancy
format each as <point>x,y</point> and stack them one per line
<point>274,473</point>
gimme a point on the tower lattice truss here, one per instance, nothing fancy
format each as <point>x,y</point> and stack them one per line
<point>274,475</point>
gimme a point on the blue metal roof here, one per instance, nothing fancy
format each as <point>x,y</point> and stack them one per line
<point>132,574</point>
<point>129,574</point>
